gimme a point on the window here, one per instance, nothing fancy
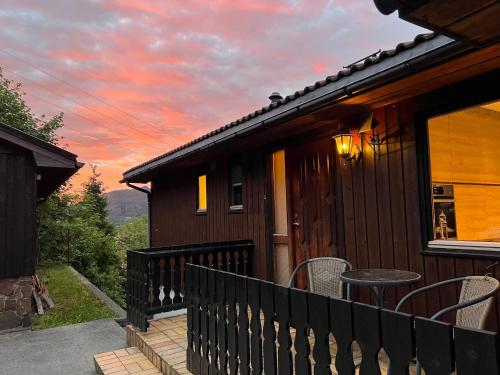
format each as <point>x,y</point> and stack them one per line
<point>465,177</point>
<point>202,193</point>
<point>236,187</point>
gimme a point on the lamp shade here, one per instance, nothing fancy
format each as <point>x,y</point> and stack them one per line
<point>343,141</point>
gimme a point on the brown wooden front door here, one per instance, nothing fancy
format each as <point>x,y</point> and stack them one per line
<point>311,195</point>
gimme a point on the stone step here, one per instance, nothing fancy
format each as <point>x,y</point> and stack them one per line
<point>129,361</point>
<point>164,344</point>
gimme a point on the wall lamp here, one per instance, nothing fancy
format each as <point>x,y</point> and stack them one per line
<point>343,141</point>
<point>367,133</point>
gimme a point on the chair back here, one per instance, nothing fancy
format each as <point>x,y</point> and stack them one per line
<point>323,276</point>
<point>474,287</point>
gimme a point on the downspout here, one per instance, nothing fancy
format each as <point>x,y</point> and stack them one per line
<point>148,193</point>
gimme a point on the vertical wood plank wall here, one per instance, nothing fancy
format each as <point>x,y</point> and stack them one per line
<point>377,198</point>
<point>17,214</point>
<point>174,218</point>
<point>382,218</point>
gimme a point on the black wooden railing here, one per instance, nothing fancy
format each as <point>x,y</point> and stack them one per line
<point>242,325</point>
<point>155,277</point>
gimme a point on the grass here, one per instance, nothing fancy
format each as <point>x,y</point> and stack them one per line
<point>74,302</point>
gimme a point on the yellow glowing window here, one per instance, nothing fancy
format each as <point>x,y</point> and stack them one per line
<point>202,193</point>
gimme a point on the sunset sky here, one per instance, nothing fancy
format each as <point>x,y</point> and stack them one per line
<point>136,78</point>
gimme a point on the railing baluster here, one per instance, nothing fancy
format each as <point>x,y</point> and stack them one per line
<point>341,326</point>
<point>269,333</point>
<point>282,303</point>
<point>477,352</point>
<point>398,340</point>
<point>434,341</point>
<point>366,320</point>
<point>255,326</point>
<point>243,335</point>
<point>204,319</point>
<point>299,320</point>
<point>222,323</point>
<point>196,320</point>
<point>212,323</point>
<point>232,331</point>
<point>319,322</point>
<point>190,307</point>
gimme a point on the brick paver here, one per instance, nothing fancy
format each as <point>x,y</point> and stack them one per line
<point>165,344</point>
<point>129,361</point>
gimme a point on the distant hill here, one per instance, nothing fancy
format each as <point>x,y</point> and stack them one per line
<point>126,204</point>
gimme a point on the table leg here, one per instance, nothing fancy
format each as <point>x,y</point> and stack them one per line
<point>379,293</point>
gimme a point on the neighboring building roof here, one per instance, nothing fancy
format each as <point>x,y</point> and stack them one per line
<point>54,164</point>
<point>361,73</point>
<point>388,6</point>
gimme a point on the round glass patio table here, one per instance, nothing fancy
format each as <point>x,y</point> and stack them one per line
<point>379,279</point>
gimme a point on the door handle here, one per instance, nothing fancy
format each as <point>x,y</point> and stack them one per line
<point>296,224</point>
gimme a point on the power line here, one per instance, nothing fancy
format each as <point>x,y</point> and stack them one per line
<point>84,106</point>
<point>84,117</point>
<point>85,92</point>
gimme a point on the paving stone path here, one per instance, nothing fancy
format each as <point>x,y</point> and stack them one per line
<point>64,350</point>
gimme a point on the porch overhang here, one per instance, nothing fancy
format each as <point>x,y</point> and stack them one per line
<point>474,22</point>
<point>54,165</point>
<point>407,58</point>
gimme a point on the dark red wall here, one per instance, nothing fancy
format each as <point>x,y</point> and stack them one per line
<point>379,204</point>
<point>174,217</point>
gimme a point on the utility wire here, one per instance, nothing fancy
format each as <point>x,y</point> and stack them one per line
<point>83,91</point>
<point>85,118</point>
<point>84,106</point>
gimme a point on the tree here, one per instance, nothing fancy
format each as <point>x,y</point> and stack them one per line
<point>93,197</point>
<point>16,113</point>
<point>133,234</point>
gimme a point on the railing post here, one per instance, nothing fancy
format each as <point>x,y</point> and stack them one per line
<point>269,332</point>
<point>190,308</point>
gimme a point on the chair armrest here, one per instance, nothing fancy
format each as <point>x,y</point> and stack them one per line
<point>291,281</point>
<point>426,288</point>
<point>462,305</point>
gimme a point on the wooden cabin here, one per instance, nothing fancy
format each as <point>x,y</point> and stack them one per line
<point>415,185</point>
<point>30,170</point>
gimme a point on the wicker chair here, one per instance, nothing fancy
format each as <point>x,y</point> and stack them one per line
<point>476,299</point>
<point>323,276</point>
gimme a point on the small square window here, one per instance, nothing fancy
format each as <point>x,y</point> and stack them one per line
<point>202,193</point>
<point>236,187</point>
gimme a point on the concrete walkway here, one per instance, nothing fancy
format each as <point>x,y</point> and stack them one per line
<point>59,351</point>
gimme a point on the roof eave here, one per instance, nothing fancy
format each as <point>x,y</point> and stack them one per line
<point>397,66</point>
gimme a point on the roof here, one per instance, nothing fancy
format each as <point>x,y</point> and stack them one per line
<point>54,164</point>
<point>359,73</point>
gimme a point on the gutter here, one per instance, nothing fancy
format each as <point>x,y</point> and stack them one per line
<point>148,193</point>
<point>402,64</point>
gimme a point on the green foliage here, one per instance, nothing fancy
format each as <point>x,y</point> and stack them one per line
<point>16,113</point>
<point>74,229</point>
<point>133,234</point>
<point>74,302</point>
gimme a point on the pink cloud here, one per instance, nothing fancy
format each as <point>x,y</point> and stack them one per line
<point>136,78</point>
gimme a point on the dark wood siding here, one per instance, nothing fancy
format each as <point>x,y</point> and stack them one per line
<point>382,216</point>
<point>17,213</point>
<point>174,217</point>
<point>377,203</point>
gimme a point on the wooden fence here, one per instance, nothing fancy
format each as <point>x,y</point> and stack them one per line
<point>243,325</point>
<point>155,277</point>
